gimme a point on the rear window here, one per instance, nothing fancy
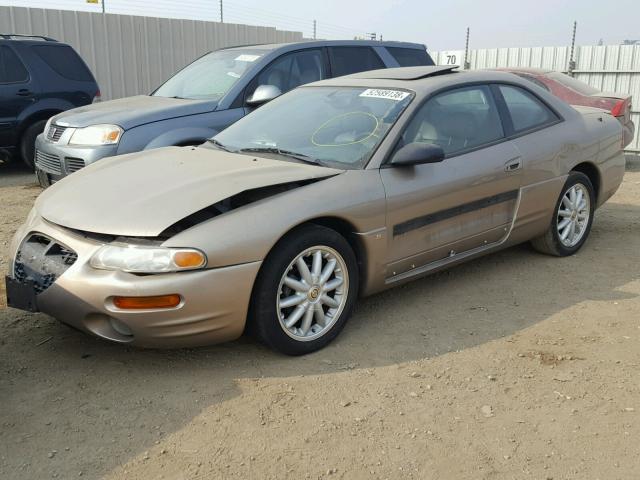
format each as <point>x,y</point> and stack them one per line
<point>410,57</point>
<point>348,60</point>
<point>11,68</point>
<point>64,61</point>
<point>572,83</point>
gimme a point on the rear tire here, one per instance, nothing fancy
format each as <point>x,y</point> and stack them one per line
<point>559,239</point>
<point>28,142</point>
<point>296,309</point>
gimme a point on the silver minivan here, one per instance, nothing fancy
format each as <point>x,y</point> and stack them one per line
<point>205,97</point>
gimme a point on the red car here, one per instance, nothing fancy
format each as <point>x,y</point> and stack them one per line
<point>575,92</point>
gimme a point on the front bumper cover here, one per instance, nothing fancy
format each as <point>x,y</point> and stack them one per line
<point>213,308</point>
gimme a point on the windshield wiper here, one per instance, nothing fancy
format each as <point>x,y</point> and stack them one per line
<point>219,145</point>
<point>285,153</point>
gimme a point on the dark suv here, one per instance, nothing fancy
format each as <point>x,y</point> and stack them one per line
<point>39,78</point>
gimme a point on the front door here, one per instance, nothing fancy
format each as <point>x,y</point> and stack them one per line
<point>468,200</point>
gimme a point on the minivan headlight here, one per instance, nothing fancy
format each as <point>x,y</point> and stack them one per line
<point>142,259</point>
<point>96,135</point>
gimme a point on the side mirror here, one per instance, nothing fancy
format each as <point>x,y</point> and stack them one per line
<point>417,153</point>
<point>263,94</point>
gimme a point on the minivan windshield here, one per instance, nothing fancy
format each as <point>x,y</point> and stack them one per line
<point>211,76</point>
<point>331,126</point>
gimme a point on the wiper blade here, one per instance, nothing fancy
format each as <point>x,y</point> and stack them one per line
<point>278,151</point>
<point>219,145</point>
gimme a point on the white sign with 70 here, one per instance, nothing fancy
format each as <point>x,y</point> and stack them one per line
<point>451,57</point>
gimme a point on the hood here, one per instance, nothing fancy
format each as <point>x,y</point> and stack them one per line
<point>142,194</point>
<point>133,111</point>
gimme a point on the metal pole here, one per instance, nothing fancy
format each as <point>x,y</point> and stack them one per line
<point>572,64</point>
<point>314,29</point>
<point>103,6</point>
<point>221,13</point>
<point>467,64</point>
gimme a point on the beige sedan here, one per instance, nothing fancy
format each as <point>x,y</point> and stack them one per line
<point>342,188</point>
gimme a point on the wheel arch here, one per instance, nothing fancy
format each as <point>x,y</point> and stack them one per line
<point>35,117</point>
<point>592,172</point>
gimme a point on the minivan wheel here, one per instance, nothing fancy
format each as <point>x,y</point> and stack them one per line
<point>305,291</point>
<point>572,219</point>
<point>28,142</point>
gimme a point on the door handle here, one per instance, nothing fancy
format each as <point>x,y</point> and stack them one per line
<point>513,165</point>
<point>23,92</point>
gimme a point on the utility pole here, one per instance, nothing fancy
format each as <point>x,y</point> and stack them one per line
<point>221,13</point>
<point>314,29</point>
<point>572,63</point>
<point>467,64</point>
<point>103,6</point>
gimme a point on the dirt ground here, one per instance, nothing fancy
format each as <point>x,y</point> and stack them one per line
<point>514,366</point>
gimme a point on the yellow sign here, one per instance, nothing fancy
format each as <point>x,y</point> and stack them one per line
<point>93,1</point>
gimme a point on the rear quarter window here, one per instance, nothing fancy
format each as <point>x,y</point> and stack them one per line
<point>348,60</point>
<point>410,57</point>
<point>64,61</point>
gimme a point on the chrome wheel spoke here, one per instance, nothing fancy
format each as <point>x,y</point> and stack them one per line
<point>295,315</point>
<point>564,223</point>
<point>331,302</point>
<point>328,270</point>
<point>332,284</point>
<point>296,285</point>
<point>565,213</point>
<point>306,323</point>
<point>292,301</point>
<point>316,267</point>
<point>319,315</point>
<point>304,270</point>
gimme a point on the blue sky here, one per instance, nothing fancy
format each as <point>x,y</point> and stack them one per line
<point>440,24</point>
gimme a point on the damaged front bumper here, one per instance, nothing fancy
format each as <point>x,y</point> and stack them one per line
<point>51,274</point>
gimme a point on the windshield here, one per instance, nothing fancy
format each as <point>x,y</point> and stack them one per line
<point>209,77</point>
<point>572,83</point>
<point>333,126</point>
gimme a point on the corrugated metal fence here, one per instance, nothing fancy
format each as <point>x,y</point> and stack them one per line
<point>608,67</point>
<point>131,55</point>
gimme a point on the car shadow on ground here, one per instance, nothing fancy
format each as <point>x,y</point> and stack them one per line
<point>90,392</point>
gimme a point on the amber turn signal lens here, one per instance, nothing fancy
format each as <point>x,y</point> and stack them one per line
<point>189,259</point>
<point>140,303</point>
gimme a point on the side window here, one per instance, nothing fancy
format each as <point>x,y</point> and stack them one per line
<point>293,69</point>
<point>348,60</point>
<point>525,109</point>
<point>11,68</point>
<point>410,57</point>
<point>63,60</point>
<point>457,120</point>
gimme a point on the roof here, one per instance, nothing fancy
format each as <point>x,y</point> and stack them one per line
<point>329,43</point>
<point>22,38</point>
<point>533,71</point>
<point>419,79</point>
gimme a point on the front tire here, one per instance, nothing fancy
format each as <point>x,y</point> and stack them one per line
<point>572,218</point>
<point>28,142</point>
<point>305,291</point>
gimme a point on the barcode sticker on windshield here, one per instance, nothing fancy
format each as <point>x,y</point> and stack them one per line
<point>247,58</point>
<point>396,95</point>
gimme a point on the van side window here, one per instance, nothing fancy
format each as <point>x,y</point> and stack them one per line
<point>293,69</point>
<point>11,68</point>
<point>457,120</point>
<point>348,60</point>
<point>410,57</point>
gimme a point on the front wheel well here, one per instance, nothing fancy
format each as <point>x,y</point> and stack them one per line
<point>591,171</point>
<point>36,117</point>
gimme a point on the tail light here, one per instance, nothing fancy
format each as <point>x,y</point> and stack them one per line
<point>619,108</point>
<point>98,97</point>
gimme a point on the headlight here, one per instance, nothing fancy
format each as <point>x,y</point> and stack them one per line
<point>96,135</point>
<point>139,259</point>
